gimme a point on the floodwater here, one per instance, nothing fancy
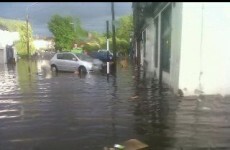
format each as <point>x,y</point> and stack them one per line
<point>40,110</point>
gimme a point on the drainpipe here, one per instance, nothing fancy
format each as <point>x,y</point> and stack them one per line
<point>201,47</point>
<point>160,71</point>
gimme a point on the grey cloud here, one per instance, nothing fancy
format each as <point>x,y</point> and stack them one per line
<point>93,15</point>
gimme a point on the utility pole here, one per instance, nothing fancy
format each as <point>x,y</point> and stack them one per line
<point>28,44</point>
<point>114,39</point>
<point>27,32</point>
<point>107,27</point>
<point>27,28</point>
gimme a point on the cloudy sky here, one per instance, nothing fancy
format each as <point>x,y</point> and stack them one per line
<point>93,15</point>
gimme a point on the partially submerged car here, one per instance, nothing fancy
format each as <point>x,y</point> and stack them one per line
<point>103,55</point>
<point>68,61</point>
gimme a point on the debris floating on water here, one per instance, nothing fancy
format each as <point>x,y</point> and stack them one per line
<point>134,144</point>
<point>119,147</point>
<point>134,97</point>
<point>206,108</point>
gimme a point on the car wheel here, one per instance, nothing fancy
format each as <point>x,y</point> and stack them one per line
<point>54,68</point>
<point>82,69</point>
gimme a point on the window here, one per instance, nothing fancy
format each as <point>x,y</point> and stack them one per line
<point>166,38</point>
<point>156,42</point>
<point>144,42</point>
<point>68,56</point>
<point>59,56</point>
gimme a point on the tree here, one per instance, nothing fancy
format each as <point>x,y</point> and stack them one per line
<point>125,27</point>
<point>19,26</point>
<point>63,30</point>
<point>80,33</point>
<point>21,45</point>
<point>93,46</point>
<point>122,46</point>
<point>123,33</point>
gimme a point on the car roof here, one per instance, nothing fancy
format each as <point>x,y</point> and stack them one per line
<point>64,53</point>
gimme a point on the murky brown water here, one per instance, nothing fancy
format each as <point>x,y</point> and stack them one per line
<point>44,111</point>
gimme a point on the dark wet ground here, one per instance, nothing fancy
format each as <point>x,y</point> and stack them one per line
<point>40,110</point>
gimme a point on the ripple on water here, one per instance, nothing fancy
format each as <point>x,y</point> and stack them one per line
<point>63,111</point>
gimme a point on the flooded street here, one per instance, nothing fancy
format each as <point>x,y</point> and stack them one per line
<point>40,110</point>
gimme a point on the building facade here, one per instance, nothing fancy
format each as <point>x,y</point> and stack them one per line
<point>43,44</point>
<point>185,45</point>
<point>8,52</point>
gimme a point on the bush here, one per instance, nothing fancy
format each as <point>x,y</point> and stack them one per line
<point>91,47</point>
<point>122,46</point>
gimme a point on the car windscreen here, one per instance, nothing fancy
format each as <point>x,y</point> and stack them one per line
<point>105,51</point>
<point>84,57</point>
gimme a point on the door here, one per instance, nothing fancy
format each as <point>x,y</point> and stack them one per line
<point>9,54</point>
<point>70,62</point>
<point>60,62</point>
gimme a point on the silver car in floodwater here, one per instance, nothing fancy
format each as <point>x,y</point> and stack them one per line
<point>71,62</point>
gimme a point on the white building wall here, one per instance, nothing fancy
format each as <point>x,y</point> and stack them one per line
<point>169,78</point>
<point>150,47</point>
<point>43,44</point>
<point>205,48</point>
<point>190,48</point>
<point>216,48</point>
<point>172,78</point>
<point>7,38</point>
<point>175,45</point>
<point>200,49</point>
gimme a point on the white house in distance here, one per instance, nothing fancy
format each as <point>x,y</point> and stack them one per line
<point>7,39</point>
<point>189,41</point>
<point>43,44</point>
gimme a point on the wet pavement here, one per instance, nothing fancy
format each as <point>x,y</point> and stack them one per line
<point>40,110</point>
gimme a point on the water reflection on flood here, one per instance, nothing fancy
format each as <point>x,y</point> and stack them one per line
<point>41,110</point>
